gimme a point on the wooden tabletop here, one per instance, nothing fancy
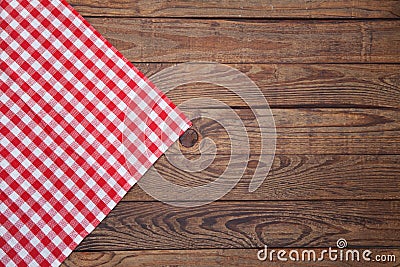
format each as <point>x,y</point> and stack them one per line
<point>330,71</point>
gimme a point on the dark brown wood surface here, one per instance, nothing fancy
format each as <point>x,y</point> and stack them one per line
<point>298,177</point>
<point>233,224</point>
<point>330,71</point>
<point>253,41</point>
<point>241,9</point>
<point>209,257</point>
<point>310,131</point>
<point>304,85</point>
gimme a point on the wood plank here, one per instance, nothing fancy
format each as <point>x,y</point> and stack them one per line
<point>302,85</point>
<point>253,41</point>
<point>212,257</point>
<point>241,9</point>
<point>303,131</point>
<point>154,225</point>
<point>301,169</point>
<point>300,177</point>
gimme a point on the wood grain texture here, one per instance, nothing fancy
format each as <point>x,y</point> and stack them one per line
<point>300,177</point>
<point>241,9</point>
<point>205,258</point>
<point>303,131</point>
<point>302,85</point>
<point>253,41</point>
<point>336,170</point>
<point>154,225</point>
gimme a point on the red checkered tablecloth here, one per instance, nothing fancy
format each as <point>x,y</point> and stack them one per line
<point>65,96</point>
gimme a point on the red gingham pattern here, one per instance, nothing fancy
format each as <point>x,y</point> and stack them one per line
<point>66,93</point>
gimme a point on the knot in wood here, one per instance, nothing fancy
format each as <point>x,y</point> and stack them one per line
<point>189,138</point>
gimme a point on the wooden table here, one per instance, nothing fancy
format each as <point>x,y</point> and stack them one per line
<point>331,74</point>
